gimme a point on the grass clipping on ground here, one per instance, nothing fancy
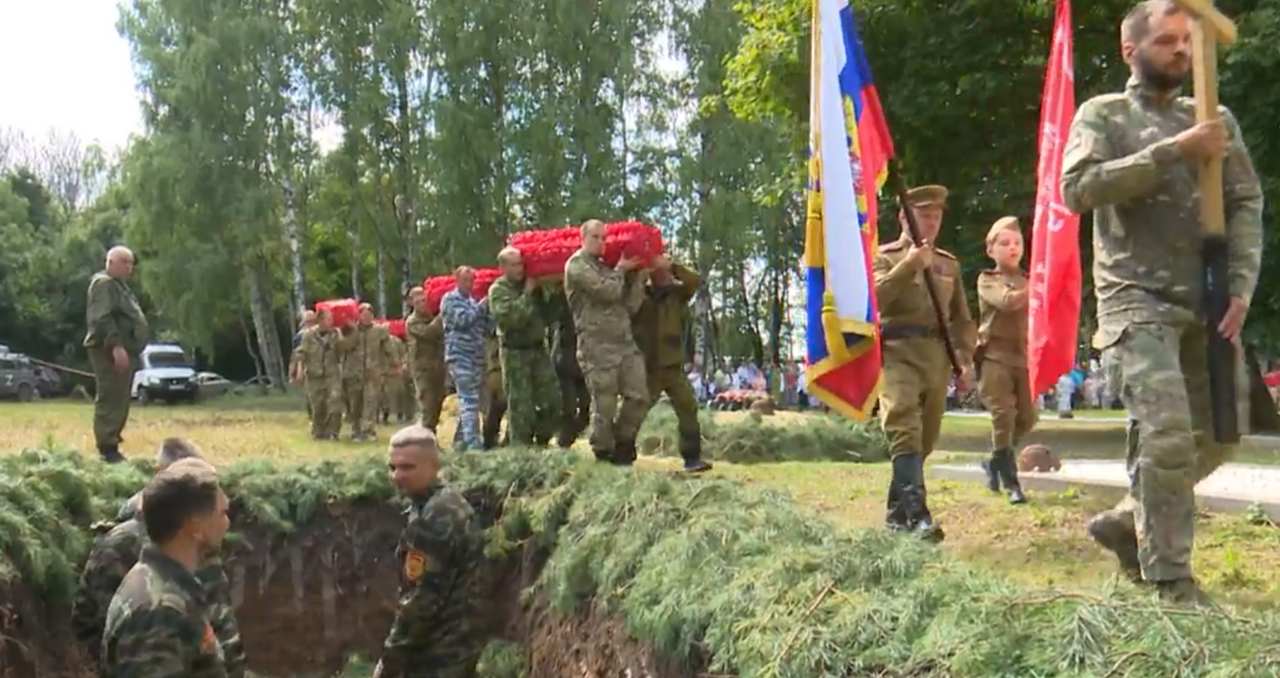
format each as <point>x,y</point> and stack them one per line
<point>737,580</point>
<point>752,437</point>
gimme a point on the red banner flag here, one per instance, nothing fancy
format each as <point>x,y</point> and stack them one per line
<point>1054,306</point>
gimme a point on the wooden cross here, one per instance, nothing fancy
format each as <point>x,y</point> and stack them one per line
<point>1210,27</point>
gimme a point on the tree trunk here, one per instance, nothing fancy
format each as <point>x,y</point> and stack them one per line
<point>406,207</point>
<point>264,324</point>
<point>353,231</point>
<point>293,232</point>
<point>382,281</point>
<point>248,345</point>
<point>749,314</point>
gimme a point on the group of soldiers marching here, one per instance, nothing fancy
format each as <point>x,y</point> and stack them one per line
<point>600,345</point>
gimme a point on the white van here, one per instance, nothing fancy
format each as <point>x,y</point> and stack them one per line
<point>166,373</point>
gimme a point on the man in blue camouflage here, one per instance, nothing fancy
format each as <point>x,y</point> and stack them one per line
<point>440,553</point>
<point>466,327</point>
<point>1133,159</point>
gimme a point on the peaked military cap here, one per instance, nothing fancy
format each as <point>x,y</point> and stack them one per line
<point>927,196</point>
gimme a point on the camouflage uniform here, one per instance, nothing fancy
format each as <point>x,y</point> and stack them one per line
<point>114,319</point>
<point>466,326</point>
<point>158,624</point>
<point>439,554</point>
<point>426,360</point>
<point>1123,163</point>
<point>1002,342</point>
<point>395,386</point>
<point>318,354</point>
<point>916,368</point>
<point>575,399</point>
<point>113,555</point>
<point>493,398</point>
<point>367,359</point>
<point>528,378</point>
<point>659,330</point>
<point>603,300</point>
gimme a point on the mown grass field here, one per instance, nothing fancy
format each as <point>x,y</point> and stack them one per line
<point>1042,544</point>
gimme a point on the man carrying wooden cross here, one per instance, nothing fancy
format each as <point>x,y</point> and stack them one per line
<point>1138,160</point>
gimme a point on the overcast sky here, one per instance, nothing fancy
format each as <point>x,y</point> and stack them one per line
<point>66,68</point>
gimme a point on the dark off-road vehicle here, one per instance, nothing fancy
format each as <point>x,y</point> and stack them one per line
<point>18,377</point>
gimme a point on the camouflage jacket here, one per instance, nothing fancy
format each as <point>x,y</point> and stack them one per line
<point>319,354</point>
<point>1122,163</point>
<point>519,315</point>
<point>426,342</point>
<point>158,624</point>
<point>113,555</point>
<point>1002,331</point>
<point>439,553</point>
<point>366,352</point>
<point>113,316</point>
<point>602,300</point>
<point>660,323</point>
<point>904,300</point>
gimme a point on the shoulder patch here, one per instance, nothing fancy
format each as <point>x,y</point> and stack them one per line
<point>415,565</point>
<point>892,247</point>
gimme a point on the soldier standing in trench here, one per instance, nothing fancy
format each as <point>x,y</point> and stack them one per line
<point>440,553</point>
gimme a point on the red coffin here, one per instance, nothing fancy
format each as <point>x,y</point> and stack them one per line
<point>546,252</point>
<point>344,311</point>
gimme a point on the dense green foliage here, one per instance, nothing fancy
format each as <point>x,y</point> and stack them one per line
<point>755,438</point>
<point>752,581</point>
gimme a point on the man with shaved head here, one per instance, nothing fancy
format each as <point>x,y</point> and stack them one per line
<point>439,553</point>
<point>117,330</point>
<point>466,327</point>
<point>520,309</point>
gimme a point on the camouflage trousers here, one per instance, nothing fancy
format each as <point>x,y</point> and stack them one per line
<point>533,396</point>
<point>1165,386</point>
<point>493,407</point>
<point>429,385</point>
<point>672,381</point>
<point>612,425</point>
<point>1006,393</point>
<point>468,383</point>
<point>111,402</point>
<point>362,397</point>
<point>913,396</point>
<point>1209,455</point>
<point>324,396</point>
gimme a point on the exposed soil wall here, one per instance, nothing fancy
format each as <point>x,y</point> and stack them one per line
<point>307,600</point>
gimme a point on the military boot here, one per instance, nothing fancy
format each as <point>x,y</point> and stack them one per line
<point>991,468</point>
<point>908,500</point>
<point>895,516</point>
<point>691,451</point>
<point>1114,531</point>
<point>111,454</point>
<point>1008,471</point>
<point>624,453</point>
<point>1183,592</point>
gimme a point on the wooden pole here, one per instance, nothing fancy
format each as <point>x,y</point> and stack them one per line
<point>1204,55</point>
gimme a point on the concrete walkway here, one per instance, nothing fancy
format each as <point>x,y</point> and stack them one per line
<point>1233,487</point>
<point>1264,441</point>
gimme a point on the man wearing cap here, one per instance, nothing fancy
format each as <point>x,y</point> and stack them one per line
<point>117,329</point>
<point>367,358</point>
<point>426,357</point>
<point>1133,159</point>
<point>916,366</point>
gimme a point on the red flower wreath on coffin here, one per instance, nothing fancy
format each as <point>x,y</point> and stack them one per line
<point>437,286</point>
<point>345,312</point>
<point>394,325</point>
<point>545,252</point>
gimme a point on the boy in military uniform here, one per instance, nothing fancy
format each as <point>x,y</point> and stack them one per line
<point>440,553</point>
<point>916,366</point>
<point>158,622</point>
<point>1002,343</point>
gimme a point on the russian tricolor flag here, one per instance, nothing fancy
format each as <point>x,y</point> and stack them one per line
<point>849,152</point>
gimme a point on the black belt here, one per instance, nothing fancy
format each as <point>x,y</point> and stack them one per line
<point>908,332</point>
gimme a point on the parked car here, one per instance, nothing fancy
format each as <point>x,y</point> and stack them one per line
<point>165,373</point>
<point>18,378</point>
<point>212,384</point>
<point>51,384</point>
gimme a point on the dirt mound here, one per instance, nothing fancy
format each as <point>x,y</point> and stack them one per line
<point>35,637</point>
